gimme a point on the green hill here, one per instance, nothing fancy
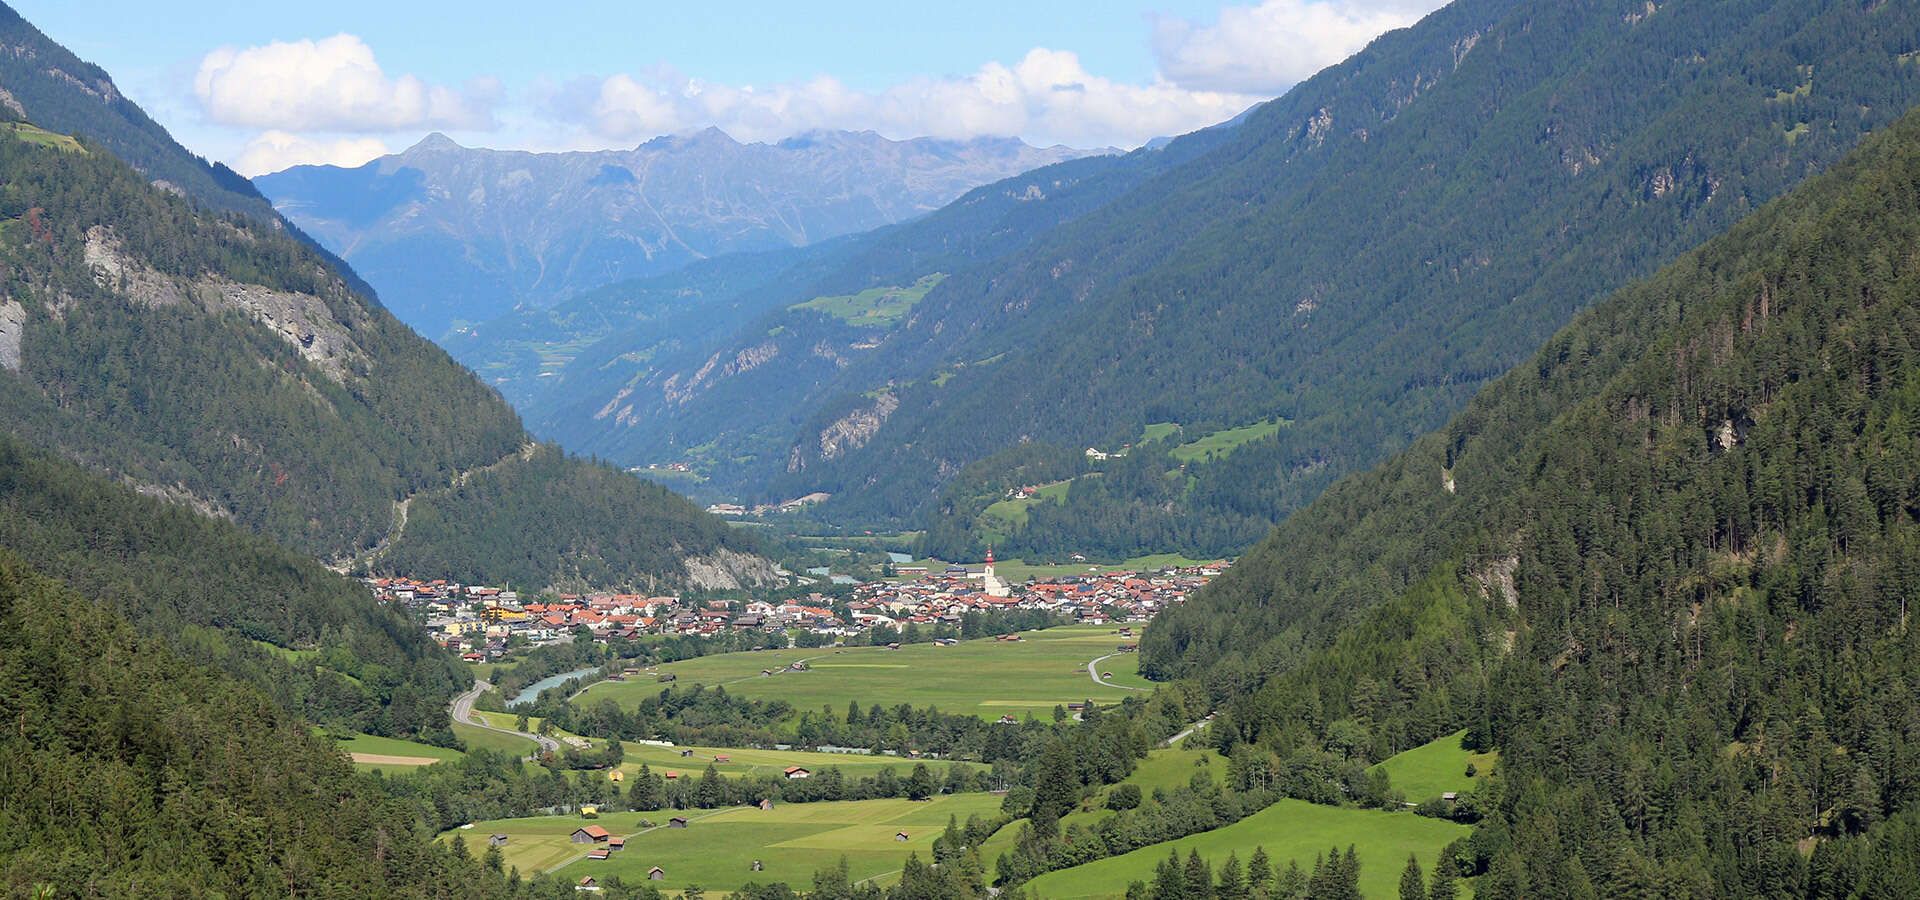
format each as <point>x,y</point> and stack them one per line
<point>208,356</point>
<point>132,774</point>
<point>1664,567</point>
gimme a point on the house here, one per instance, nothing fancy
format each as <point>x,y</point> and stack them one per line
<point>656,874</point>
<point>723,759</point>
<point>598,854</point>
<point>677,822</point>
<point>590,834</point>
<point>587,883</point>
<point>616,843</point>
<point>900,836</point>
<point>766,805</point>
<point>1450,796</point>
<point>792,772</point>
<point>496,840</point>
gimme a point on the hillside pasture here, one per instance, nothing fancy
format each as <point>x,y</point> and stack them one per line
<point>875,307</point>
<point>371,752</point>
<point>1434,768</point>
<point>1289,830</point>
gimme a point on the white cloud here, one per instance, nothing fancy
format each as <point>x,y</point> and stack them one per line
<point>334,84</point>
<point>1268,47</point>
<point>1048,96</point>
<point>273,151</point>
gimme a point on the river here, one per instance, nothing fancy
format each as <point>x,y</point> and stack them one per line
<point>533,690</point>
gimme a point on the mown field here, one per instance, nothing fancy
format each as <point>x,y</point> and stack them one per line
<point>1432,769</point>
<point>667,760</point>
<point>373,752</point>
<point>716,850</point>
<point>986,678</point>
<point>1289,830</point>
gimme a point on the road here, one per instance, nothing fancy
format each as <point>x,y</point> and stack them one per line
<point>1190,729</point>
<point>462,711</point>
<point>1093,672</point>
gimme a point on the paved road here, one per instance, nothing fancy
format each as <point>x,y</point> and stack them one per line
<point>462,711</point>
<point>1190,729</point>
<point>1093,672</point>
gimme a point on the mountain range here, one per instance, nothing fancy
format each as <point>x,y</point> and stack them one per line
<point>1250,311</point>
<point>455,235</point>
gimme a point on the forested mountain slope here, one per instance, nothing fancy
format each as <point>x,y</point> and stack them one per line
<point>130,773</point>
<point>456,235</point>
<point>314,641</point>
<point>213,359</point>
<point>45,83</point>
<point>1665,567</point>
<point>1355,258</point>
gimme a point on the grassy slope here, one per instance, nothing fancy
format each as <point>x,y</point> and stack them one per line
<point>793,840</point>
<point>761,762</point>
<point>878,307</point>
<point>1289,830</point>
<point>1224,442</point>
<point>385,746</point>
<point>985,678</point>
<point>1434,768</point>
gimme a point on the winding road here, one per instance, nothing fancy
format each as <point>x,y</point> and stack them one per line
<point>1093,672</point>
<point>462,711</point>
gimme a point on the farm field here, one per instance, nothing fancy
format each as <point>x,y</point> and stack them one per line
<point>477,738</point>
<point>715,851</point>
<point>1017,571</point>
<point>1008,515</point>
<point>986,678</point>
<point>663,760</point>
<point>371,752</point>
<point>1289,830</point>
<point>1434,768</point>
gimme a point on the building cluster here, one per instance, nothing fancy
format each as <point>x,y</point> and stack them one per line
<point>483,623</point>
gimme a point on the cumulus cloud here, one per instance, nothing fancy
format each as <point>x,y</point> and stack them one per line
<point>273,151</point>
<point>1268,47</point>
<point>1048,96</point>
<point>334,84</point>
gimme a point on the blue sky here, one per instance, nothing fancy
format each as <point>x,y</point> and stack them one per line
<point>264,85</point>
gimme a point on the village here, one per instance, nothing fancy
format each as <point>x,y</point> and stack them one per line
<point>486,623</point>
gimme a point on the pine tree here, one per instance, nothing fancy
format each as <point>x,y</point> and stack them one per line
<point>1413,884</point>
<point>1259,871</point>
<point>1443,887</point>
<point>1232,883</point>
<point>1199,877</point>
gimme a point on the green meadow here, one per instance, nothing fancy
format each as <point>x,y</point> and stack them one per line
<point>986,678</point>
<point>36,135</point>
<point>670,761</point>
<point>368,745</point>
<point>1289,830</point>
<point>1221,443</point>
<point>878,307</point>
<point>716,850</point>
<point>1434,768</point>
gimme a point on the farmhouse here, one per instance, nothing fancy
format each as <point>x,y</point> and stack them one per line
<point>677,822</point>
<point>793,772</point>
<point>616,843</point>
<point>496,840</point>
<point>587,883</point>
<point>598,854</point>
<point>900,836</point>
<point>656,874</point>
<point>590,834</point>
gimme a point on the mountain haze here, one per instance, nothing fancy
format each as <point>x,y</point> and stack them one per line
<point>1352,260</point>
<point>458,235</point>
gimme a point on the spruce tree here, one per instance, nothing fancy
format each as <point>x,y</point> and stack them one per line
<point>1413,884</point>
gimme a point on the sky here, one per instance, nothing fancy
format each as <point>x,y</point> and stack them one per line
<point>263,86</point>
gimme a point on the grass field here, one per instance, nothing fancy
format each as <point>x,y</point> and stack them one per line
<point>793,840</point>
<point>986,678</point>
<point>477,738</point>
<point>878,307</point>
<point>1006,516</point>
<point>43,137</point>
<point>1224,442</point>
<point>1018,571</point>
<point>1289,830</point>
<point>393,750</point>
<point>1434,768</point>
<point>763,762</point>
